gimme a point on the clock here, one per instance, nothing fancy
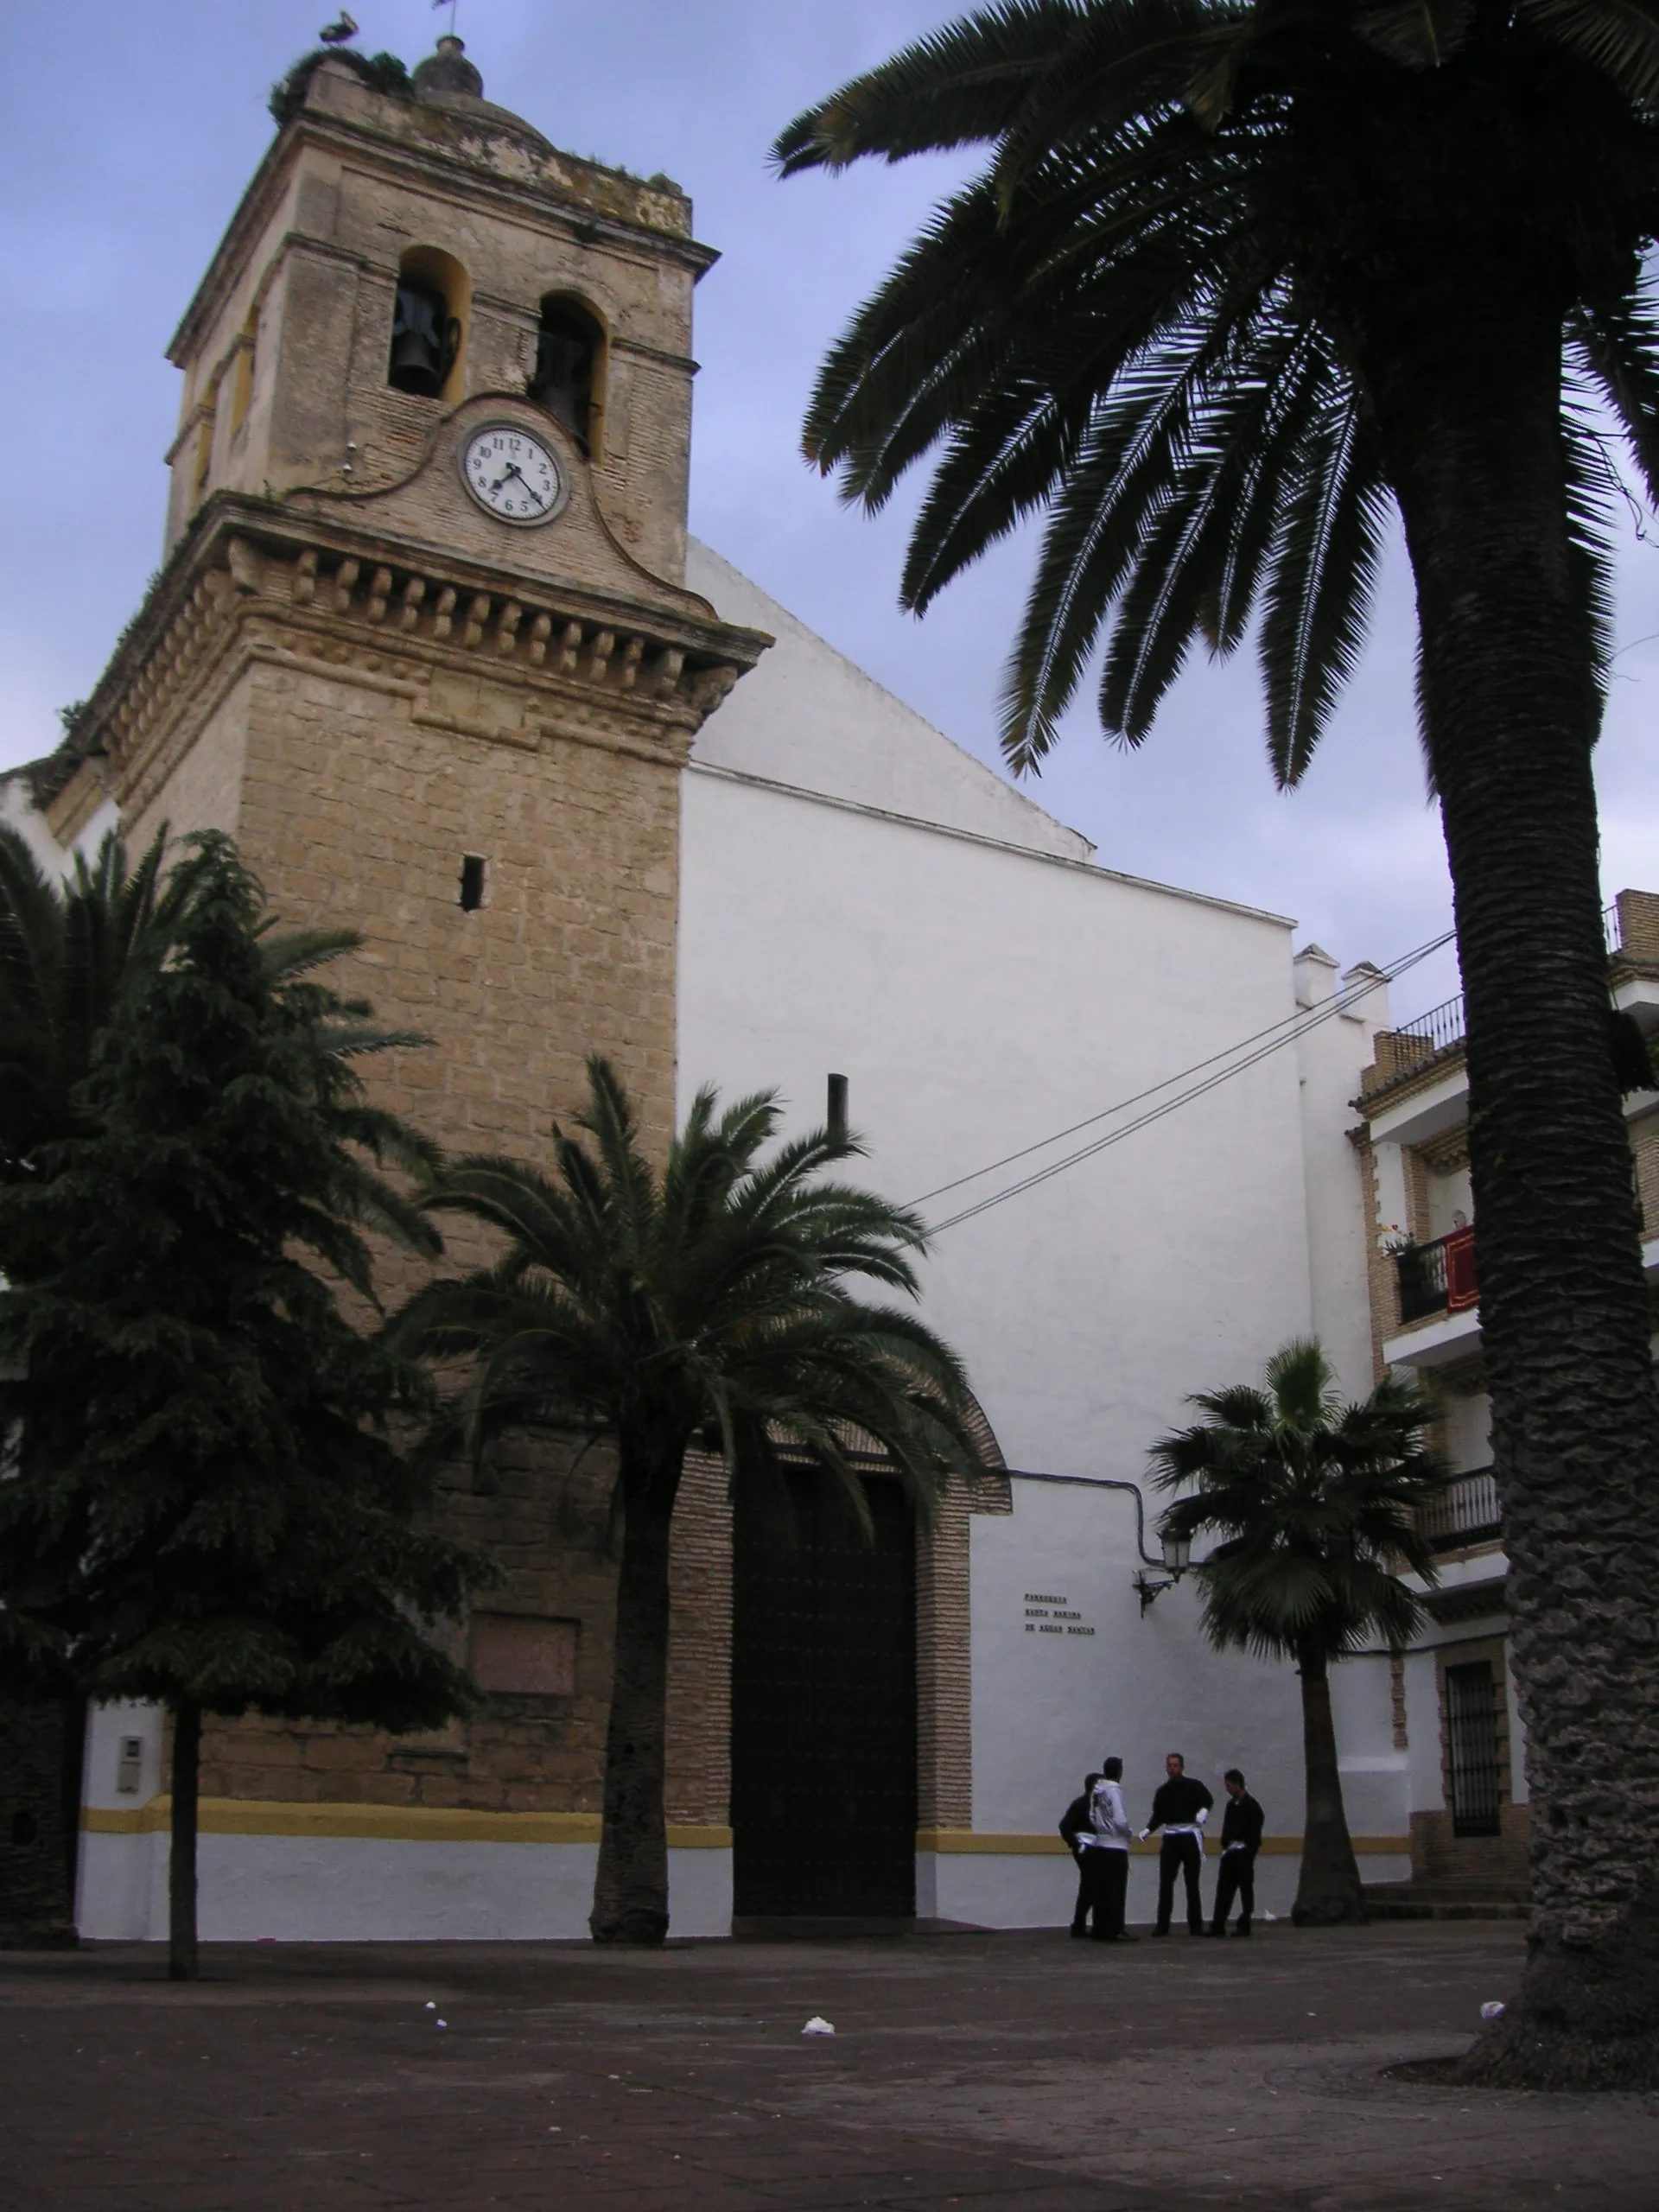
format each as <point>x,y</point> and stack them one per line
<point>512,475</point>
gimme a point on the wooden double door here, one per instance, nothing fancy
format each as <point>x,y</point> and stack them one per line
<point>823,1709</point>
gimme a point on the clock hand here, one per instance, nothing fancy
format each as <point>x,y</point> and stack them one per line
<point>507,476</point>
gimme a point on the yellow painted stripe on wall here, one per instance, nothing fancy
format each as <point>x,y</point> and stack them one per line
<point>460,1824</point>
<point>382,1823</point>
<point>976,1842</point>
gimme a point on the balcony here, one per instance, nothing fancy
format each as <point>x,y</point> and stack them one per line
<point>1438,1030</point>
<point>1438,1277</point>
<point>1465,1512</point>
<point>1439,1300</point>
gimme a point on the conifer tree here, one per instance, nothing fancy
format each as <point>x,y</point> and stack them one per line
<point>207,1507</point>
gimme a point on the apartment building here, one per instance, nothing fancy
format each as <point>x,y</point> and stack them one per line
<point>1457,1714</point>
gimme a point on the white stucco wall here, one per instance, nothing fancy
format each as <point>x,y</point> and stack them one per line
<point>361,1889</point>
<point>1048,1707</point>
<point>810,717</point>
<point>978,1000</point>
<point>1331,1055</point>
<point>19,812</point>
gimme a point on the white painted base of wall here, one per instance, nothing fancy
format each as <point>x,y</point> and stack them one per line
<point>367,1889</point>
<point>1019,1889</point>
<point>345,1889</point>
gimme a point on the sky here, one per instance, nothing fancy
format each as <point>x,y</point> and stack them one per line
<point>127,134</point>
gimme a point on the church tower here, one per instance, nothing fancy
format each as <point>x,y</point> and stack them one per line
<point>422,643</point>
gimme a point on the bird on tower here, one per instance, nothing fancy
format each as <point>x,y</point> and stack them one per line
<point>337,32</point>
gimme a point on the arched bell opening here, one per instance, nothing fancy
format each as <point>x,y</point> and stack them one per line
<point>429,326</point>
<point>572,360</point>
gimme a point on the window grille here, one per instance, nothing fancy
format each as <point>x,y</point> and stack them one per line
<point>1473,1747</point>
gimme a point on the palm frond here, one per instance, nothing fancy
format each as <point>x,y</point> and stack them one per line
<point>1312,1503</point>
<point>957,86</point>
<point>1319,595</point>
<point>1618,37</point>
<point>714,1299</point>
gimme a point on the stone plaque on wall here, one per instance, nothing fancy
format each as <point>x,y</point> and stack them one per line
<point>523,1654</point>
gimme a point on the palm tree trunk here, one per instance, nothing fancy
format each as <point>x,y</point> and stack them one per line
<point>1468,397</point>
<point>631,1891</point>
<point>182,1964</point>
<point>1328,1890</point>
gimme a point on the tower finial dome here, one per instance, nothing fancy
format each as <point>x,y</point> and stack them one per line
<point>448,72</point>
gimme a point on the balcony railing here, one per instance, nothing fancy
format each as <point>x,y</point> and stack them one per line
<point>1465,1512</point>
<point>1440,1027</point>
<point>1438,1278</point>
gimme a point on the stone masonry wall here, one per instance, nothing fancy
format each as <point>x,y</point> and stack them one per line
<point>542,1509</point>
<point>353,812</point>
<point>34,1901</point>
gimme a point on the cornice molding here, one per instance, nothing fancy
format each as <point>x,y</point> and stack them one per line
<point>251,581</point>
<point>1469,1601</point>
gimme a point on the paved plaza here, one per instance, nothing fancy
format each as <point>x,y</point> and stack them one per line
<point>986,2071</point>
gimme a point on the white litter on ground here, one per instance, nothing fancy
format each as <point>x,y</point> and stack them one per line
<point>430,2006</point>
<point>441,2023</point>
<point>1491,2011</point>
<point>1272,1916</point>
<point>817,2026</point>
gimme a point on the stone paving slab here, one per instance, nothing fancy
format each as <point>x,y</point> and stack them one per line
<point>1018,2071</point>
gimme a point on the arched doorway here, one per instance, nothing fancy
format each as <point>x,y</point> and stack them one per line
<point>833,1755</point>
<point>824,1708</point>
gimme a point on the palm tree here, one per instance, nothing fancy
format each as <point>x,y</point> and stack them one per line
<point>705,1304</point>
<point>1241,278</point>
<point>1314,1502</point>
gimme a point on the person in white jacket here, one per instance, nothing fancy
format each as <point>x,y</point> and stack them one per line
<point>1107,1864</point>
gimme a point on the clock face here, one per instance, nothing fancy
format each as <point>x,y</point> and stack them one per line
<point>512,475</point>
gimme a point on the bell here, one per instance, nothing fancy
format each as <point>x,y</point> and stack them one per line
<point>414,365</point>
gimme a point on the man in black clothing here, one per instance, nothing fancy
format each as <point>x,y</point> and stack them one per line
<point>1180,1808</point>
<point>1075,1822</point>
<point>1241,1839</point>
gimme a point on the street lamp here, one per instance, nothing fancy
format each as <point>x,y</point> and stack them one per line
<point>1178,1552</point>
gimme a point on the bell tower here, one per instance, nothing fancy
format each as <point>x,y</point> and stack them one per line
<point>421,642</point>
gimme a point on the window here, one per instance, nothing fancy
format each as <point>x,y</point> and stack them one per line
<point>837,1116</point>
<point>569,379</point>
<point>242,374</point>
<point>472,882</point>
<point>523,1654</point>
<point>428,325</point>
<point>1474,1751</point>
<point>205,439</point>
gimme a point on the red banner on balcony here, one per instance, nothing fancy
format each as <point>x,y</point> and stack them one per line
<point>1461,1289</point>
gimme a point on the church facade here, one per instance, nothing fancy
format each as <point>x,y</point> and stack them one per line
<point>432,642</point>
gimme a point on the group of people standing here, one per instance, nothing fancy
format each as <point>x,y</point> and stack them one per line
<point>1097,1833</point>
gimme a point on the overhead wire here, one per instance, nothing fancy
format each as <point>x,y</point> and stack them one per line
<point>1254,1050</point>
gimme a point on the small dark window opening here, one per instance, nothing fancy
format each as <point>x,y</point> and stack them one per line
<point>567,354</point>
<point>837,1116</point>
<point>471,883</point>
<point>425,340</point>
